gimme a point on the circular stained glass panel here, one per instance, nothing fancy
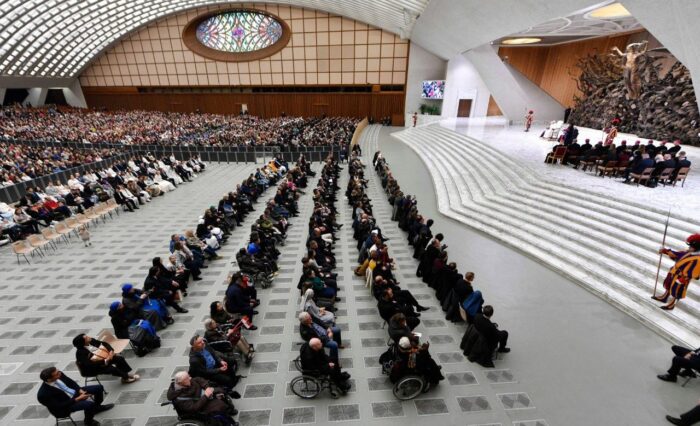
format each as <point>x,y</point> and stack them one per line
<point>239,31</point>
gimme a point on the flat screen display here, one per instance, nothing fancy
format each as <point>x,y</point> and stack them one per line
<point>433,89</point>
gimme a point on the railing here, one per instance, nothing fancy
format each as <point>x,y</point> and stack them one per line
<point>13,193</point>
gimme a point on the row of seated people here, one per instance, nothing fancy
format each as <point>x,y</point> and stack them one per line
<point>397,306</point>
<point>130,183</point>
<point>138,310</point>
<point>666,164</point>
<point>22,163</point>
<point>319,288</point>
<point>137,128</point>
<point>454,291</point>
<point>204,390</point>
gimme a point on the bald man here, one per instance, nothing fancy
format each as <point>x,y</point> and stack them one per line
<point>313,357</point>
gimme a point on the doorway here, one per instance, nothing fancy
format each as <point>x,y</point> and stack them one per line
<point>465,108</point>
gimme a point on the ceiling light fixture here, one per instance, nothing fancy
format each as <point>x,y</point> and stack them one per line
<point>521,40</point>
<point>611,11</point>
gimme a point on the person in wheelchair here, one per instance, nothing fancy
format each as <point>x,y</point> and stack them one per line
<point>194,397</point>
<point>314,358</point>
<point>329,336</point>
<point>414,358</point>
<point>398,328</point>
<point>211,365</point>
<point>226,337</point>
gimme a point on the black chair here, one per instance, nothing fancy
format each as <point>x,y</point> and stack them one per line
<point>67,418</point>
<point>89,378</point>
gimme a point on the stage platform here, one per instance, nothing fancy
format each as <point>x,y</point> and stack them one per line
<point>598,232</point>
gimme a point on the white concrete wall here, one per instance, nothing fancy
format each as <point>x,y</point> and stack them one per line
<point>464,82</point>
<point>422,65</point>
<point>74,95</point>
<point>37,96</point>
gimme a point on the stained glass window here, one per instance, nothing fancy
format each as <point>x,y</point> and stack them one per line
<point>238,32</point>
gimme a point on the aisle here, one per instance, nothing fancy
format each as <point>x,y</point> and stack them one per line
<point>470,394</point>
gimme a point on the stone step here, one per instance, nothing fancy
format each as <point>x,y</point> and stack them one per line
<point>607,279</point>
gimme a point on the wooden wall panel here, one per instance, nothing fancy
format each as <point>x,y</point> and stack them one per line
<point>493,108</point>
<point>553,68</point>
<point>376,105</point>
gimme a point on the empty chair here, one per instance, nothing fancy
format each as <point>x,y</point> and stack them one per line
<point>63,230</point>
<point>681,176</point>
<point>51,235</point>
<point>38,242</point>
<point>621,167</point>
<point>642,177</point>
<point>92,214</point>
<point>83,219</point>
<point>22,248</point>
<point>608,169</point>
<point>113,206</point>
<point>73,224</point>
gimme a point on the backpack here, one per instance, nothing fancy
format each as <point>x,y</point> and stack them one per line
<point>143,337</point>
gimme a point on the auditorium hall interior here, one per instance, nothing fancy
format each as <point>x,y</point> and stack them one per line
<point>349,212</point>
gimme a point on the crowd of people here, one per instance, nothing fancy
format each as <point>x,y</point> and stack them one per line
<point>623,160</point>
<point>406,355</point>
<point>169,128</point>
<point>455,291</point>
<point>22,163</point>
<point>131,183</point>
<point>319,286</point>
<point>206,390</point>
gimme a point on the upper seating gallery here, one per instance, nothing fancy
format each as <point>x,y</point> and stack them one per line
<point>167,128</point>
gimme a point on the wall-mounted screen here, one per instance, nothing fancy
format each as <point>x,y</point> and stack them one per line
<point>433,89</point>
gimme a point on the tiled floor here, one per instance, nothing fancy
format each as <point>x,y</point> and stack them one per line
<point>48,302</point>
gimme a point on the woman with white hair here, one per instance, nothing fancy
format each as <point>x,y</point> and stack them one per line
<point>319,315</point>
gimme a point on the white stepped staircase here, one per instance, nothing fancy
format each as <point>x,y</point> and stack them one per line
<point>607,246</point>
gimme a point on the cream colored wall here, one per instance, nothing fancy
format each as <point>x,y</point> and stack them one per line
<point>323,49</point>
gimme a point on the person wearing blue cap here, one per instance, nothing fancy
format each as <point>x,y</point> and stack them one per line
<point>121,319</point>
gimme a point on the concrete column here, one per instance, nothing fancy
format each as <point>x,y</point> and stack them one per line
<point>513,92</point>
<point>37,96</point>
<point>2,95</point>
<point>74,95</point>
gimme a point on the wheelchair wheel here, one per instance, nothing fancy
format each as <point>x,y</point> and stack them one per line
<point>408,387</point>
<point>306,387</point>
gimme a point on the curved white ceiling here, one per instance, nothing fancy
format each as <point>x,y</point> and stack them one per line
<point>58,38</point>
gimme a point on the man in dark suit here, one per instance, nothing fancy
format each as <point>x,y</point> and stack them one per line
<point>675,148</point>
<point>682,161</point>
<point>313,357</point>
<point>688,418</point>
<point>209,364</point>
<point>62,396</point>
<point>685,359</point>
<point>494,336</point>
<point>330,337</point>
<point>638,167</point>
<point>94,362</point>
<point>388,306</point>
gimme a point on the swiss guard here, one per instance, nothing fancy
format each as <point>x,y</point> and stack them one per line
<point>687,268</point>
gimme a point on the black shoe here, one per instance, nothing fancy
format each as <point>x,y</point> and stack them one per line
<point>667,378</point>
<point>422,308</point>
<point>252,328</point>
<point>91,423</point>
<point>197,279</point>
<point>181,310</point>
<point>203,267</point>
<point>255,312</point>
<point>675,420</point>
<point>504,350</point>
<point>337,299</point>
<point>417,314</point>
<point>169,321</point>
<point>104,407</point>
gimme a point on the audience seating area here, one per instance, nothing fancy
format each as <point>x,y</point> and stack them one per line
<point>649,165</point>
<point>160,128</point>
<point>54,213</point>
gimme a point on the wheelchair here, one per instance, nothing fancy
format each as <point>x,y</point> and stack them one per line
<point>204,419</point>
<point>408,386</point>
<point>312,382</point>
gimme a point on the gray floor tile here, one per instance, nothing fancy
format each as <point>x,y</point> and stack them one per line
<point>298,415</point>
<point>343,412</point>
<point>387,409</point>
<point>430,406</point>
<point>254,417</point>
<point>473,403</point>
